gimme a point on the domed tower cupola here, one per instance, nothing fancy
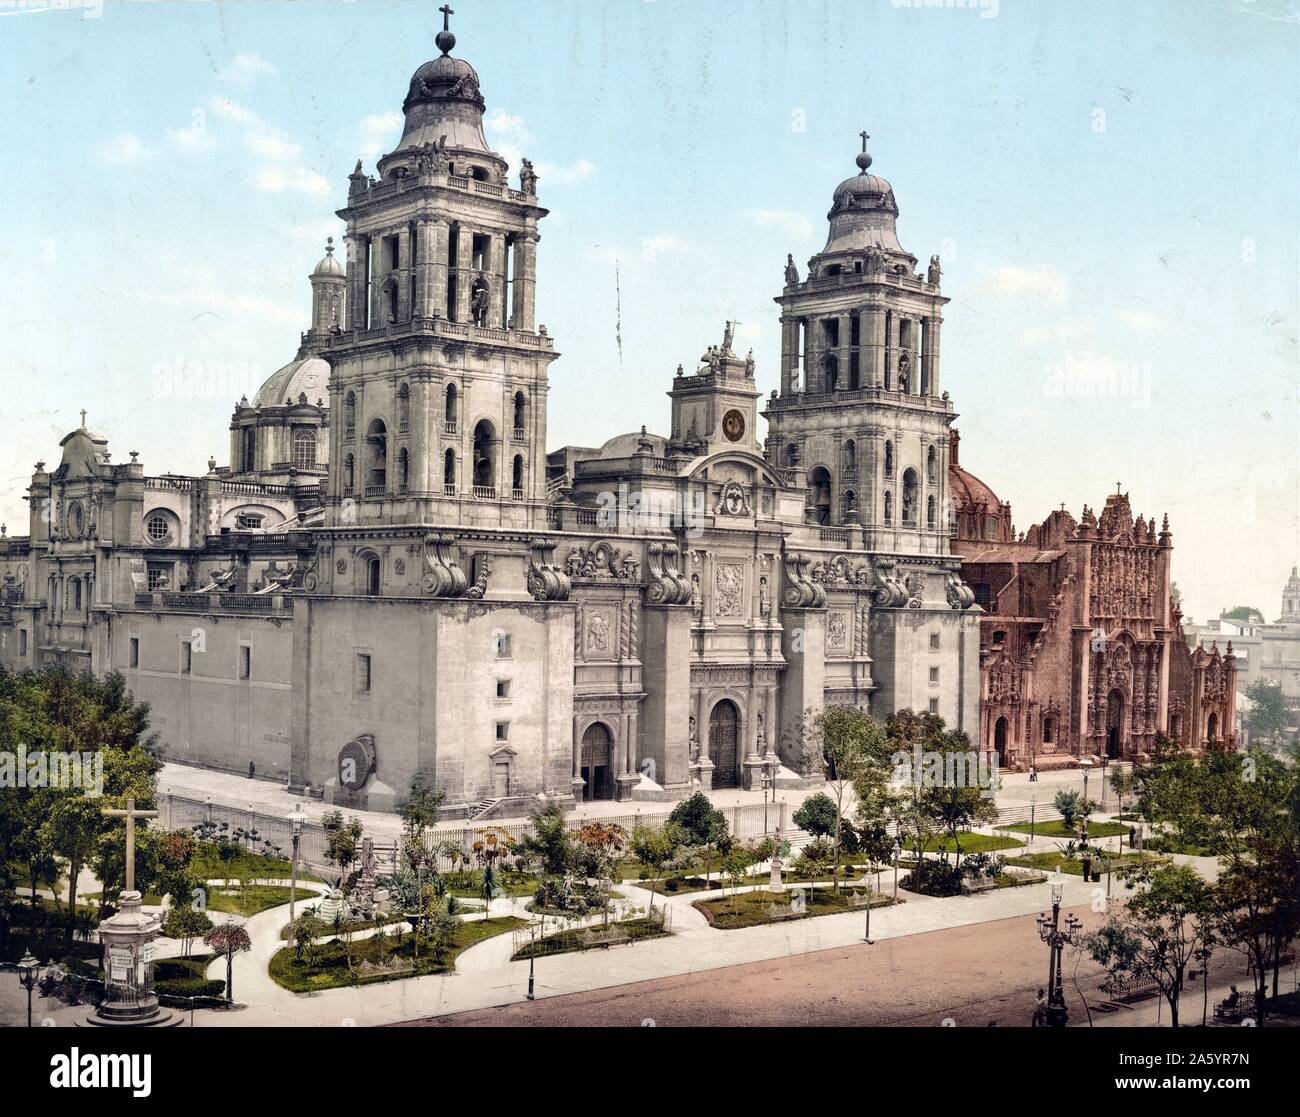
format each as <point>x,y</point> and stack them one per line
<point>444,118</point>
<point>863,215</point>
<point>328,282</point>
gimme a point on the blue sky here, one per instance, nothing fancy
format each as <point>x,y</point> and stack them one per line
<point>1112,187</point>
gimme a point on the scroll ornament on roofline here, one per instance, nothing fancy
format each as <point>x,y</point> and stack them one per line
<point>442,576</point>
<point>668,585</point>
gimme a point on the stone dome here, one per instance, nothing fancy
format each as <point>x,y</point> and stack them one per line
<point>309,376</point>
<point>862,217</point>
<point>978,512</point>
<point>329,265</point>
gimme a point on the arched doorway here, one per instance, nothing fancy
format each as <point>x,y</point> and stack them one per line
<point>1000,741</point>
<point>596,748</point>
<point>724,737</point>
<point>1115,725</point>
<point>1212,729</point>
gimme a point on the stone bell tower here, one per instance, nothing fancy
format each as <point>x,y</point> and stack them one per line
<point>860,407</point>
<point>714,407</point>
<point>439,375</point>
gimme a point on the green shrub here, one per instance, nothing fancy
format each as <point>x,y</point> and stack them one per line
<point>933,877</point>
<point>189,987</point>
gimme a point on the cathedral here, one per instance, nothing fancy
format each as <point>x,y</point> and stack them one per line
<point>1082,650</point>
<point>393,576</point>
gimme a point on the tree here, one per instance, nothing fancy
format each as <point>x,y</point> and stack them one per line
<point>910,737</point>
<point>187,923</point>
<point>1067,802</point>
<point>816,815</point>
<point>419,812</point>
<point>550,841</point>
<point>226,941</point>
<point>342,840</point>
<point>654,847</point>
<point>960,800</point>
<point>1158,931</point>
<point>1247,614</point>
<point>1268,712</point>
<point>703,825</point>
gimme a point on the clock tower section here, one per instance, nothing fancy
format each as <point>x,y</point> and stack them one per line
<point>715,407</point>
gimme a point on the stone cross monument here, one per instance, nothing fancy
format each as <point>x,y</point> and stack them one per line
<point>127,943</point>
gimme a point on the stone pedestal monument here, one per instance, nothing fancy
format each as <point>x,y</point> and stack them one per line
<point>127,943</point>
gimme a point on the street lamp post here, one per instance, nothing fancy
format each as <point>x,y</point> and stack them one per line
<point>532,957</point>
<point>767,781</point>
<point>1049,930</point>
<point>27,967</point>
<point>896,851</point>
<point>296,820</point>
<point>1033,802</point>
<point>1105,763</point>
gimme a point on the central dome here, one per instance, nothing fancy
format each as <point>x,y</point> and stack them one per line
<point>862,216</point>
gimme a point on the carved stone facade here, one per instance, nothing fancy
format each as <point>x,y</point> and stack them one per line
<point>1082,651</point>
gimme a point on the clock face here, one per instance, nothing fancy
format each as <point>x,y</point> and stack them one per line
<point>733,425</point>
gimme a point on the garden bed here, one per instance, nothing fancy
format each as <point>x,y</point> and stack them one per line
<point>1056,828</point>
<point>375,961</point>
<point>755,909</point>
<point>596,937</point>
<point>1052,862</point>
<point>250,899</point>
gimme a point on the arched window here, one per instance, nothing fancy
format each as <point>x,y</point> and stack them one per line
<point>889,459</point>
<point>889,508</point>
<point>485,459</point>
<point>404,408</point>
<point>520,406</point>
<point>850,502</point>
<point>850,457</point>
<point>449,421</point>
<point>819,482</point>
<point>403,469</point>
<point>350,415</point>
<point>929,512</point>
<point>931,466</point>
<point>248,455</point>
<point>374,574</point>
<point>376,457</point>
<point>391,301</point>
<point>517,477</point>
<point>349,474</point>
<point>449,472</point>
<point>304,448</point>
<point>910,485</point>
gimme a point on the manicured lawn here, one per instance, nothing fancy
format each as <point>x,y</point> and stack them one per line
<point>250,899</point>
<point>594,938</point>
<point>331,971</point>
<point>208,864</point>
<point>1050,862</point>
<point>753,909</point>
<point>467,885</point>
<point>972,843</point>
<point>1055,828</point>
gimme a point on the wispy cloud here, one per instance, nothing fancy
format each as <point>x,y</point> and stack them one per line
<point>216,301</point>
<point>1043,283</point>
<point>123,150</point>
<point>662,244</point>
<point>797,224</point>
<point>1143,321</point>
<point>508,134</point>
<point>379,132</point>
<point>283,180</point>
<point>244,68</point>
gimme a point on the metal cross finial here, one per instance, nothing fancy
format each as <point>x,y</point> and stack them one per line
<point>83,418</point>
<point>130,814</point>
<point>447,12</point>
<point>865,138</point>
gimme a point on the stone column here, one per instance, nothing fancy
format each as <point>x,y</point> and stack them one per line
<point>464,271</point>
<point>842,350</point>
<point>789,353</point>
<point>932,353</point>
<point>405,265</point>
<point>873,348</point>
<point>525,283</point>
<point>436,243</point>
<point>356,281</point>
<point>494,271</point>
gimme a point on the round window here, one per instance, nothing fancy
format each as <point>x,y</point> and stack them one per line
<point>157,528</point>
